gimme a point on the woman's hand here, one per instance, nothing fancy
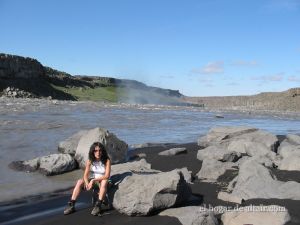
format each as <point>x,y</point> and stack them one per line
<point>90,184</point>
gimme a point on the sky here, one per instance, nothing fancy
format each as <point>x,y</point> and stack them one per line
<point>199,47</point>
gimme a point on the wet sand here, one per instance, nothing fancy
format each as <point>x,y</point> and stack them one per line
<point>50,210</point>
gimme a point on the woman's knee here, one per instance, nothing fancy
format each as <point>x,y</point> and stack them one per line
<point>79,182</point>
<point>104,183</point>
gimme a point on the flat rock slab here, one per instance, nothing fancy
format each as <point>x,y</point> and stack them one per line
<point>257,215</point>
<point>191,215</point>
<point>173,151</point>
<point>48,165</point>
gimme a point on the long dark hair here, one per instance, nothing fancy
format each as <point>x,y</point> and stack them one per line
<point>104,155</point>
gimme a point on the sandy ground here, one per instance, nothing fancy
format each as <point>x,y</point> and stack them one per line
<point>49,209</point>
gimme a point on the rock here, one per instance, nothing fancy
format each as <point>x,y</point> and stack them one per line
<point>211,169</point>
<point>249,147</point>
<point>146,145</point>
<point>135,167</point>
<point>137,156</point>
<point>212,152</point>
<point>293,138</point>
<point>173,151</point>
<point>48,165</point>
<point>263,137</point>
<point>290,154</point>
<point>116,148</point>
<point>186,174</point>
<point>69,145</point>
<point>12,66</point>
<point>255,181</point>
<point>217,134</point>
<point>227,136</point>
<point>286,149</point>
<point>56,164</point>
<point>257,215</point>
<point>224,196</point>
<point>191,215</point>
<point>291,163</point>
<point>122,170</point>
<point>219,116</point>
<point>143,194</point>
<point>267,160</point>
<point>231,157</point>
<point>31,165</point>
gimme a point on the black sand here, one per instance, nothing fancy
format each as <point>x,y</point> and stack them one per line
<point>50,210</point>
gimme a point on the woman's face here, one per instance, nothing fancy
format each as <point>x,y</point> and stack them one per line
<point>97,152</point>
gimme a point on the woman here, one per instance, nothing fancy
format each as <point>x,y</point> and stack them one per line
<point>97,172</point>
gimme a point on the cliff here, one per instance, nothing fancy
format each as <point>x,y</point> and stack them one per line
<point>281,101</point>
<point>27,77</point>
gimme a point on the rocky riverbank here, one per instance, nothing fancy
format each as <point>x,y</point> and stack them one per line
<point>286,101</point>
<point>233,175</point>
<point>24,77</point>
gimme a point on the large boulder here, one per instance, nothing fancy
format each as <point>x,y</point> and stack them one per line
<point>289,152</point>
<point>116,148</point>
<point>212,152</point>
<point>293,138</point>
<point>219,134</point>
<point>48,165</point>
<point>191,215</point>
<point>257,215</point>
<point>69,145</point>
<point>133,167</point>
<point>226,136</point>
<point>286,149</point>
<point>211,169</point>
<point>122,170</point>
<point>56,164</point>
<point>291,162</point>
<point>250,148</point>
<point>143,194</point>
<point>255,181</point>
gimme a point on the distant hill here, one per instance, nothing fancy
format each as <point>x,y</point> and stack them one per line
<point>27,77</point>
<point>279,101</point>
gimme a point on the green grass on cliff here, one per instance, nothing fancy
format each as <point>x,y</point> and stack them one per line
<point>106,94</point>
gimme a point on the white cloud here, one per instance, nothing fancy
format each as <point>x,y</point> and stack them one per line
<point>210,68</point>
<point>273,77</point>
<point>245,63</point>
<point>294,78</point>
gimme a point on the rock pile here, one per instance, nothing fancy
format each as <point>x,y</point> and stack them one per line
<point>16,93</point>
<point>256,151</point>
<point>74,152</point>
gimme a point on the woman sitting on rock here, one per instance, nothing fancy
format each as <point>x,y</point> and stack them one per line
<point>97,172</point>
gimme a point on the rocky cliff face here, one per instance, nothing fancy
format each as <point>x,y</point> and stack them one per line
<point>26,77</point>
<point>282,101</point>
<point>15,67</point>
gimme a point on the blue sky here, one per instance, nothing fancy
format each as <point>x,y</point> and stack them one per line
<point>201,48</point>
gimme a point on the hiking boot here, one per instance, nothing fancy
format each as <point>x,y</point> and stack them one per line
<point>70,208</point>
<point>97,209</point>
